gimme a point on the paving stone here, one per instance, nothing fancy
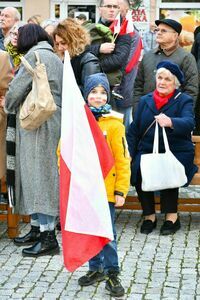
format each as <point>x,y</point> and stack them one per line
<point>154,267</point>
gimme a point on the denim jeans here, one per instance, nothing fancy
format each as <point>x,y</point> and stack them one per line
<point>107,259</point>
<point>45,222</point>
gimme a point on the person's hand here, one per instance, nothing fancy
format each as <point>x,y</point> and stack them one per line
<point>107,48</point>
<point>164,121</point>
<point>119,201</point>
<point>2,101</point>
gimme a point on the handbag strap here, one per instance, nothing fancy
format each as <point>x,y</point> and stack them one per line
<point>27,65</point>
<point>37,57</point>
<point>166,143</point>
<point>156,140</point>
<point>148,128</point>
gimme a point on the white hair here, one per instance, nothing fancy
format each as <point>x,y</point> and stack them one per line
<point>166,71</point>
<point>15,11</point>
<point>48,22</point>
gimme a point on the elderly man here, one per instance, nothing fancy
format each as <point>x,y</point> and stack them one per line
<point>167,35</point>
<point>8,17</point>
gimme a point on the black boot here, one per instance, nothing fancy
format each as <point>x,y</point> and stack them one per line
<point>48,245</point>
<point>31,237</point>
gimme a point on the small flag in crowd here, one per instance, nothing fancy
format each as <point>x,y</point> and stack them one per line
<point>129,19</point>
<point>85,161</point>
<point>117,24</point>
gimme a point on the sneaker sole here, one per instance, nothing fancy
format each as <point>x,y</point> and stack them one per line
<point>146,231</point>
<point>91,282</point>
<point>113,294</point>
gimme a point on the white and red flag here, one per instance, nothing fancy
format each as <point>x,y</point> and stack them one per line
<point>117,24</point>
<point>129,19</point>
<point>84,163</point>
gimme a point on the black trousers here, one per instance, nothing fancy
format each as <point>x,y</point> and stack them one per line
<point>168,199</point>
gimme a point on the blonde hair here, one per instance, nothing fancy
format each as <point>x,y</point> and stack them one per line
<point>166,71</point>
<point>35,19</point>
<point>75,36</point>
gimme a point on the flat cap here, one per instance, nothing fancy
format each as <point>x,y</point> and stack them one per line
<point>172,23</point>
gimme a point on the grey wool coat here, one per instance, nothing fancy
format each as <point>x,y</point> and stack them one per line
<point>36,174</point>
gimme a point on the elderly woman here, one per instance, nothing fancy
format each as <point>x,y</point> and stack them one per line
<point>11,47</point>
<point>36,162</point>
<point>71,36</point>
<point>173,110</point>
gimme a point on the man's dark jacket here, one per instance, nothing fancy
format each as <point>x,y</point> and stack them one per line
<point>117,59</point>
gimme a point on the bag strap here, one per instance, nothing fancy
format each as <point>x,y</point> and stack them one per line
<point>27,65</point>
<point>156,140</point>
<point>37,57</point>
<point>148,128</point>
<point>166,143</point>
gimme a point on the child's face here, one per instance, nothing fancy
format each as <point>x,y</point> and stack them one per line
<point>97,97</point>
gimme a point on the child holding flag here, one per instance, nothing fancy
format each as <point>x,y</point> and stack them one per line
<point>105,264</point>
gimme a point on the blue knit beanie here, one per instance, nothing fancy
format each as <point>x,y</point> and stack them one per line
<point>95,80</point>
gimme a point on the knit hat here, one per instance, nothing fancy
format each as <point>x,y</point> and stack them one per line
<point>95,80</point>
<point>171,23</point>
<point>173,68</point>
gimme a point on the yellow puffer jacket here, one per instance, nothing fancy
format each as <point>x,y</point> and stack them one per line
<point>118,179</point>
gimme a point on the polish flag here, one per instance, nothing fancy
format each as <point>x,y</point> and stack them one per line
<point>129,26</point>
<point>116,25</point>
<point>84,163</point>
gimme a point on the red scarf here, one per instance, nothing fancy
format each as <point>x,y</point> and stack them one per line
<point>160,101</point>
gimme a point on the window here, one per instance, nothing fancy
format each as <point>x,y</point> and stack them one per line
<point>17,3</point>
<point>74,10</point>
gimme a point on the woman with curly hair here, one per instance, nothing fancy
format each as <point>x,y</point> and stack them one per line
<point>71,36</point>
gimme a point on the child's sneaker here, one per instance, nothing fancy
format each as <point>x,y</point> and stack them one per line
<point>91,277</point>
<point>113,285</point>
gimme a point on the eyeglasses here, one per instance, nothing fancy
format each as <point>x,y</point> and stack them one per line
<point>163,30</point>
<point>13,34</point>
<point>111,6</point>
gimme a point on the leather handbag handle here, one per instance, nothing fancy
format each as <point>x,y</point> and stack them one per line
<point>28,66</point>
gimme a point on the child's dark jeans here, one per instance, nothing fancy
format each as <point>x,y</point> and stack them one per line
<point>107,259</point>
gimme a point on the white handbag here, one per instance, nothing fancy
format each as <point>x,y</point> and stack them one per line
<point>161,171</point>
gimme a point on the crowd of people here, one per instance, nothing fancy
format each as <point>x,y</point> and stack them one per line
<point>163,87</point>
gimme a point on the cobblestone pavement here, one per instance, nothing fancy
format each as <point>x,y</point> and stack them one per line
<point>153,267</point>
